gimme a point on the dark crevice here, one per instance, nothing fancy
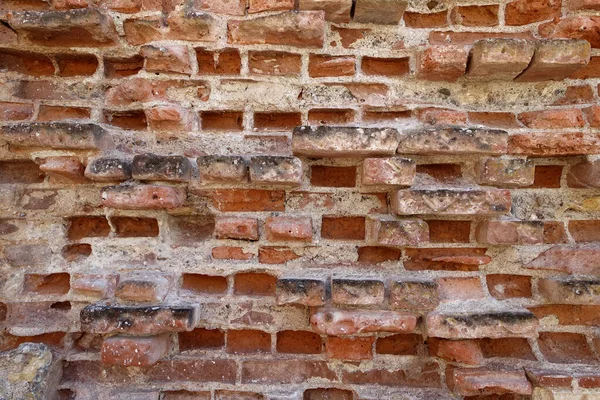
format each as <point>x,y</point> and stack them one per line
<point>352,9</point>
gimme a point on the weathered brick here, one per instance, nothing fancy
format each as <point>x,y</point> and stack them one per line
<point>523,12</point>
<point>357,292</point>
<point>584,5</point>
<point>92,226</point>
<point>46,283</point>
<point>308,292</point>
<point>132,351</point>
<point>100,286</point>
<point>461,351</point>
<point>510,232</point>
<point>168,59</point>
<point>20,171</point>
<point>285,371</point>
<point>152,167</point>
<point>203,284</point>
<point>272,170</point>
<point>413,295</point>
<point>399,232</point>
<point>584,231</point>
<point>217,169</point>
<point>74,28</point>
<point>108,169</point>
<point>454,141</point>
<point>500,59</point>
<point>229,7</point>
<point>584,175</point>
<point>556,60</point>
<point>578,259</point>
<point>289,228</point>
<point>336,322</point>
<point>301,29</point>
<point>15,111</point>
<point>503,286</point>
<point>385,66</point>
<point>248,200</point>
<point>138,320</point>
<point>552,119</point>
<point>356,349</point>
<point>454,201</point>
<point>57,135</point>
<point>446,259</point>
<point>565,348</point>
<point>343,228</point>
<point>328,394</point>
<point>274,63</point>
<point>66,169</point>
<point>544,144</point>
<point>191,230</point>
<point>484,15</point>
<point>343,141</point>
<point>24,62</point>
<point>236,228</point>
<point>457,288</point>
<point>570,291</point>
<point>256,6</point>
<point>143,197</point>
<point>142,287</point>
<point>505,172</point>
<point>442,63</point>
<point>387,12</point>
<point>323,65</point>
<point>575,27</point>
<point>337,11</point>
<point>475,382</point>
<point>299,342</point>
<point>567,314</point>
<point>396,171</point>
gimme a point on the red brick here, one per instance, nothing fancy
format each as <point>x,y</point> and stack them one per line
<point>429,20</point>
<point>553,145</point>
<point>276,121</point>
<point>464,38</point>
<point>58,135</point>
<point>222,169</point>
<point>567,314</point>
<point>343,228</point>
<point>230,253</point>
<point>399,232</point>
<point>167,59</point>
<point>276,170</point>
<point>523,12</point>
<point>460,351</point>
<point>326,176</point>
<point>236,228</point>
<point>416,374</point>
<point>388,12</point>
<point>248,341</point>
<point>355,349</point>
<point>395,171</point>
<point>307,292</point>
<point>185,395</point>
<point>82,227</point>
<point>507,348</point>
<point>236,395</point>
<point>399,345</point>
<point>500,59</point>
<point>357,292</point>
<point>572,259</point>
<point>132,91</point>
<point>301,29</point>
<point>328,394</point>
<point>446,173</point>
<point>57,283</point>
<point>585,230</point>
<point>584,175</point>
<point>470,382</point>
<point>27,63</point>
<point>229,7</point>
<point>58,113</point>
<point>142,287</point>
<point>552,119</point>
<point>589,71</point>
<point>593,116</point>
<point>256,6</point>
<point>201,339</point>
<point>486,15</point>
<point>565,348</point>
<point>204,284</point>
<point>570,291</point>
<point>100,286</point>
<point>556,60</point>
<point>494,119</point>
<point>289,228</point>
<point>446,259</point>
<point>440,117</point>
<point>547,176</point>
<point>441,231</point>
<point>127,120</point>
<point>254,284</point>
<point>580,94</point>
<point>169,118</point>
<point>115,67</point>
<point>274,63</point>
<point>385,66</point>
<point>442,63</point>
<point>285,371</point>
<point>575,27</point>
<point>505,172</point>
<point>299,342</point>
<point>337,11</point>
<point>15,111</point>
<point>248,200</point>
<point>143,197</point>
<point>445,140</point>
<point>554,232</point>
<point>322,65</point>
<point>132,351</point>
<point>385,114</point>
<point>191,230</point>
<point>276,255</point>
<point>76,64</point>
<point>584,5</point>
<point>504,287</point>
<point>451,289</point>
<point>335,322</point>
<point>510,232</point>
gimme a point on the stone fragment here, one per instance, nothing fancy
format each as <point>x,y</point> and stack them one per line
<point>395,232</point>
<point>57,135</point>
<point>394,171</point>
<point>308,292</point>
<point>500,59</point>
<point>272,170</point>
<point>337,322</point>
<point>454,141</point>
<point>556,60</point>
<point>453,201</point>
<point>388,12</point>
<point>505,172</point>
<point>326,141</point>
<point>510,232</point>
<point>143,197</point>
<point>28,372</point>
<point>152,167</point>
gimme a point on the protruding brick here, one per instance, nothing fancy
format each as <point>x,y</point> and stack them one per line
<point>168,59</point>
<point>476,382</point>
<point>454,141</point>
<point>308,292</point>
<point>442,63</point>
<point>138,320</point>
<point>134,351</point>
<point>453,201</point>
<point>57,135</point>
<point>336,322</point>
<point>337,11</point>
<point>584,175</point>
<point>222,169</point>
<point>238,228</point>
<point>142,287</point>
<point>301,29</point>
<point>395,171</point>
<point>504,172</point>
<point>580,259</point>
<point>500,59</point>
<point>476,320</point>
<point>570,291</point>
<point>357,292</point>
<point>68,169</point>
<point>270,170</point>
<point>556,60</point>
<point>395,232</point>
<point>388,12</point>
<point>289,228</point>
<point>152,167</point>
<point>510,232</point>
<point>143,197</point>
<point>325,141</point>
<point>108,169</point>
<point>75,28</point>
<point>414,295</point>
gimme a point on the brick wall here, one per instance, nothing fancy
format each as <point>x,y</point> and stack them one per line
<point>309,199</point>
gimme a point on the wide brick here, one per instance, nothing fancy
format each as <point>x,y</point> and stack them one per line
<point>505,172</point>
<point>500,59</point>
<point>142,287</point>
<point>477,382</point>
<point>222,169</point>
<point>328,394</point>
<point>351,349</point>
<point>395,171</point>
<point>24,62</point>
<point>143,197</point>
<point>523,12</point>
<point>581,259</point>
<point>552,119</point>
<point>301,29</point>
<point>248,200</point>
<point>510,232</point>
<point>556,60</point>
<point>168,59</point>
<point>584,175</point>
<point>134,351</point>
<point>152,167</point>
<point>477,320</point>
<point>576,27</point>
<point>229,7</point>
<point>57,135</point>
<point>326,141</point>
<point>308,292</point>
<point>336,322</point>
<point>181,25</point>
<point>584,231</point>
<point>417,374</point>
<point>270,170</point>
<point>289,228</point>
<point>387,12</point>
<point>453,201</point>
<point>446,259</point>
<point>357,292</point>
<point>238,228</point>
<point>570,291</point>
<point>566,348</point>
<point>337,11</point>
<point>285,371</point>
<point>442,63</point>
<point>454,141</point>
<point>75,28</point>
<point>567,314</point>
<point>395,232</point>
